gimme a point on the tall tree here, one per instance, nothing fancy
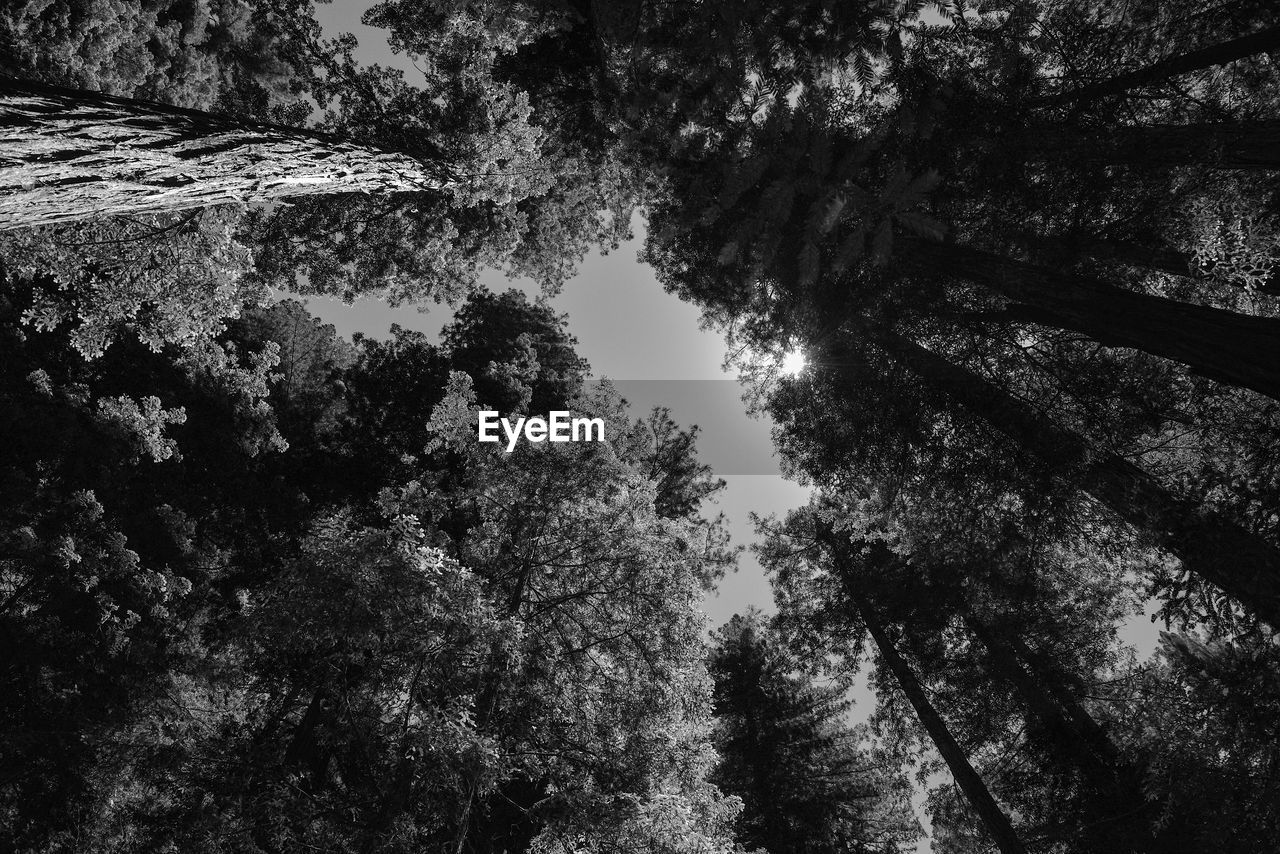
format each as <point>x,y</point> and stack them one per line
<point>1117,483</point>
<point>406,190</point>
<point>808,782</point>
<point>994,818</point>
<point>73,155</point>
<point>1029,738</point>
<point>1265,40</point>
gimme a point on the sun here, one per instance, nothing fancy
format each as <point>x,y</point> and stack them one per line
<point>793,363</point>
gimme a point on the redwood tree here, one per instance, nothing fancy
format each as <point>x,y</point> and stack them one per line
<point>71,155</point>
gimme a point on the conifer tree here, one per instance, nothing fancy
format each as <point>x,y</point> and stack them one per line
<point>808,780</point>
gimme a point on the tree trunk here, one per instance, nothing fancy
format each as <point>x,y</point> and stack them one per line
<point>1238,349</point>
<point>1238,561</point>
<point>1063,250</point>
<point>970,782</point>
<point>1123,818</point>
<point>1056,680</point>
<point>69,155</point>
<point>304,748</point>
<point>1251,146</point>
<point>1264,41</point>
<point>1060,250</point>
<point>1071,745</point>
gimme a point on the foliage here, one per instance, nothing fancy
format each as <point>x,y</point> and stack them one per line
<point>808,780</point>
<point>1211,702</point>
<point>232,630</point>
<point>186,54</point>
<point>164,279</point>
<point>274,594</point>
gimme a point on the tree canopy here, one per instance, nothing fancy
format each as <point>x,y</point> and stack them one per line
<point>261,589</point>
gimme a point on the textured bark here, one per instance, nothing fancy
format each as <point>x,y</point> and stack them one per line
<point>1263,41</point>
<point>69,155</point>
<point>1238,561</point>
<point>970,782</point>
<point>1237,349</point>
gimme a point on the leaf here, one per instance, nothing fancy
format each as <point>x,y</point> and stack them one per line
<point>863,70</point>
<point>943,9</point>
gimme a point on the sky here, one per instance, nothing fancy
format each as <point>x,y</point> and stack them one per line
<point>634,333</point>
<point>651,344</point>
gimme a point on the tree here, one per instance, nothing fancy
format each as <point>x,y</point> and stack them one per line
<point>1262,41</point>
<point>114,540</point>
<point>1117,483</point>
<point>222,53</point>
<point>805,179</point>
<point>1023,715</point>
<point>73,155</point>
<point>1104,50</point>
<point>1209,700</point>
<point>807,781</point>
<point>162,280</point>
<point>283,631</point>
<point>403,190</point>
<point>556,540</point>
<point>994,819</point>
<point>843,169</point>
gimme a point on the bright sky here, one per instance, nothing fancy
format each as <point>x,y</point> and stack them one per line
<point>631,331</point>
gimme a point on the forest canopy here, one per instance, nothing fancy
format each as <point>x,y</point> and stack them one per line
<point>262,590</point>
